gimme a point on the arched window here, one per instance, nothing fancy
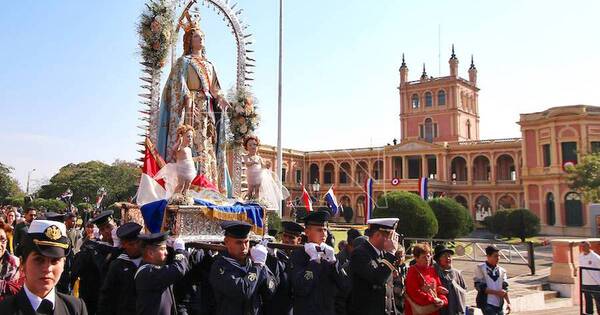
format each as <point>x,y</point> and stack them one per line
<point>428,130</point>
<point>415,101</point>
<point>469,129</point>
<point>428,99</point>
<point>550,209</point>
<point>441,98</point>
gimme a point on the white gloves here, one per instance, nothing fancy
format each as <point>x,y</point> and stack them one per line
<point>115,238</point>
<point>259,254</point>
<point>329,253</point>
<point>311,250</point>
<point>176,243</point>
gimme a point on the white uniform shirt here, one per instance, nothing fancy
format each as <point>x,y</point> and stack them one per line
<point>592,260</point>
<point>35,300</point>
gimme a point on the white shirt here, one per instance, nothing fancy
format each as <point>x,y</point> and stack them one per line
<point>35,300</point>
<point>592,260</point>
<point>481,275</point>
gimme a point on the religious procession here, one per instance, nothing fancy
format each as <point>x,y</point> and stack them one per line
<point>196,238</point>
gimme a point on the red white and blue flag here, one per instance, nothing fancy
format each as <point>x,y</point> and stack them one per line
<point>307,200</point>
<point>332,202</point>
<point>369,199</point>
<point>423,188</point>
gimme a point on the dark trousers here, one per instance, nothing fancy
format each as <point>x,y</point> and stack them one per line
<point>492,310</point>
<point>590,297</point>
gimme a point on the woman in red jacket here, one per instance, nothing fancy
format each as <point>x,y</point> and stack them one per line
<point>423,286</point>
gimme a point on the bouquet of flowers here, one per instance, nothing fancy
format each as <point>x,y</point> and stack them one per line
<point>243,118</point>
<point>155,29</point>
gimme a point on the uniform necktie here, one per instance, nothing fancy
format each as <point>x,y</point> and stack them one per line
<point>45,307</point>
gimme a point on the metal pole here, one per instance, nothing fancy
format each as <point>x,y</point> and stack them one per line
<point>28,177</point>
<point>279,151</point>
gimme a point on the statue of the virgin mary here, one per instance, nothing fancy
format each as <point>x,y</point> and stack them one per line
<point>192,96</point>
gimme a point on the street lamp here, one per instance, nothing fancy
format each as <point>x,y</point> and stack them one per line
<point>28,177</point>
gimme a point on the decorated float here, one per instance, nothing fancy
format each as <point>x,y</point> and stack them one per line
<point>189,183</point>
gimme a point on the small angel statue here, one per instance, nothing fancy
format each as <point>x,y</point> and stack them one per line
<point>263,184</point>
<point>179,175</point>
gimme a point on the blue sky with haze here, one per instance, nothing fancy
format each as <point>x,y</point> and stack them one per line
<point>69,79</point>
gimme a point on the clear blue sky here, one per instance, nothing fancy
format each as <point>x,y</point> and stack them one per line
<point>69,78</point>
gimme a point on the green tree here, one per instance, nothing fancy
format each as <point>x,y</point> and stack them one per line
<point>585,177</point>
<point>522,223</point>
<point>454,220</point>
<point>498,223</point>
<point>416,217</point>
<point>9,187</point>
<point>49,205</point>
<point>120,180</point>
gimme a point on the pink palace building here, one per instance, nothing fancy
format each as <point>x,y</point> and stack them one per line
<point>439,139</point>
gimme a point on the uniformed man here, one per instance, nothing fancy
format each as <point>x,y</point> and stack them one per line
<point>278,263</point>
<point>117,295</point>
<point>190,292</point>
<point>44,248</point>
<point>92,262</point>
<point>314,276</point>
<point>241,282</point>
<point>372,267</point>
<point>154,279</point>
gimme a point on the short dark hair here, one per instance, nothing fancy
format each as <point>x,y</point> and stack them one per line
<point>490,250</point>
<point>30,209</point>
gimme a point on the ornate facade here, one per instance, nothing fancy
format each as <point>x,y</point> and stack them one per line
<point>439,139</point>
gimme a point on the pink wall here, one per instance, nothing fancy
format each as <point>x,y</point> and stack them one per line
<point>531,148</point>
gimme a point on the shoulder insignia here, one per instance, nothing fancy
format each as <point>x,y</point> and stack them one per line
<point>221,271</point>
<point>179,257</point>
<point>374,264</point>
<point>308,275</point>
<point>252,276</point>
<point>271,284</point>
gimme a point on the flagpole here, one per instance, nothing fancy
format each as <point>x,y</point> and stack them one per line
<point>279,150</point>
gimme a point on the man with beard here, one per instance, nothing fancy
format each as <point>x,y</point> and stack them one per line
<point>117,295</point>
<point>21,229</point>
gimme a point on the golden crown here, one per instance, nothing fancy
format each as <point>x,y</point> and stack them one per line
<point>190,22</point>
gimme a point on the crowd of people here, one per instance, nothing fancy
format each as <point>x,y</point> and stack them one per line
<point>49,265</point>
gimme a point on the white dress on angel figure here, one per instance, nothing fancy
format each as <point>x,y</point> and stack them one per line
<point>270,189</point>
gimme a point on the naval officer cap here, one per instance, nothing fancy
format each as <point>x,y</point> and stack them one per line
<point>293,228</point>
<point>317,218</point>
<point>102,218</point>
<point>129,231</point>
<point>236,229</point>
<point>154,239</point>
<point>49,238</point>
<point>383,224</point>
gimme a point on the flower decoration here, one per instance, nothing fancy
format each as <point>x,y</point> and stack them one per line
<point>155,29</point>
<point>243,118</point>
